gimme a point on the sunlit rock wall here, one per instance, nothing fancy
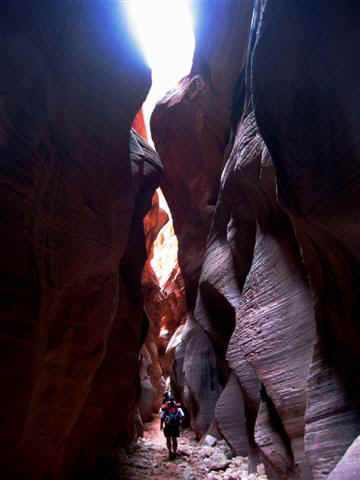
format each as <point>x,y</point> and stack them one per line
<point>165,305</point>
<point>190,128</point>
<point>151,377</point>
<point>71,208</point>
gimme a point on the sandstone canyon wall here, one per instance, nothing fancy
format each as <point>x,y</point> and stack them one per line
<point>165,306</point>
<point>316,156</point>
<point>260,156</point>
<point>190,128</point>
<point>72,243</point>
<point>260,150</point>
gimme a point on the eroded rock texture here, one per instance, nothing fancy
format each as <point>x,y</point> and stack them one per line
<point>308,109</point>
<point>271,272</point>
<point>190,128</point>
<point>253,264</point>
<point>72,205</point>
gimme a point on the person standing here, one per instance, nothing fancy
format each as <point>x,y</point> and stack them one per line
<point>171,416</point>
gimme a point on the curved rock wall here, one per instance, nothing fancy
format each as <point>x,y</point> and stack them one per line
<point>166,310</point>
<point>268,248</point>
<point>72,207</point>
<point>316,155</point>
<point>190,128</point>
<point>260,148</point>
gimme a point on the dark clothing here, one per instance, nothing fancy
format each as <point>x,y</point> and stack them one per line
<point>172,431</point>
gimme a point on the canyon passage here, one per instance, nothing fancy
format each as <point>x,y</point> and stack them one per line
<point>210,250</point>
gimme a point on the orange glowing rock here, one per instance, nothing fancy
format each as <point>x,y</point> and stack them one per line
<point>139,124</point>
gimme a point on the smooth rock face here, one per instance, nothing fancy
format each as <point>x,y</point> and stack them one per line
<point>110,409</point>
<point>230,417</point>
<point>165,309</point>
<point>71,84</point>
<point>349,466</point>
<point>195,377</point>
<point>190,128</point>
<point>154,221</point>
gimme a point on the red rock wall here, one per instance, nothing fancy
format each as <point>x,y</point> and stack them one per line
<point>139,124</point>
<point>71,84</point>
<point>267,247</point>
<point>151,376</point>
<point>190,127</point>
<point>166,310</point>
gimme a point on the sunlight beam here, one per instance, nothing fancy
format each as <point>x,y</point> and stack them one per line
<point>164,30</point>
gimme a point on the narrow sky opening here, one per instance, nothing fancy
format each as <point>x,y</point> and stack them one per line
<point>164,30</point>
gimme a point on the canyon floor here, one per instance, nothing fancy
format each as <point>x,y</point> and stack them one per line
<point>149,460</point>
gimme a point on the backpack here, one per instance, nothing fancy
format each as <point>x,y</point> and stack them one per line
<point>172,417</point>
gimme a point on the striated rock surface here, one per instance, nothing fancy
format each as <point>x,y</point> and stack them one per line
<point>307,108</point>
<point>71,84</point>
<point>269,252</point>
<point>253,264</point>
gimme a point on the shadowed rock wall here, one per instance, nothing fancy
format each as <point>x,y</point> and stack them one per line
<point>71,212</point>
<point>308,112</point>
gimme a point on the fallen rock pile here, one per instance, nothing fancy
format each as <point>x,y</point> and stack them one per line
<point>149,459</point>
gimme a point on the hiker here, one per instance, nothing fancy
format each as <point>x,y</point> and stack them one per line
<point>172,415</point>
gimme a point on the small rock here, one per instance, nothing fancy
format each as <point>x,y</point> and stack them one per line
<point>210,440</point>
<point>212,476</point>
<point>218,461</point>
<point>185,451</point>
<point>207,461</point>
<point>238,461</point>
<point>188,475</point>
<point>138,463</point>
<point>206,451</point>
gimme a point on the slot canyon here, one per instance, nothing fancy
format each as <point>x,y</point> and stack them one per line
<point>213,254</point>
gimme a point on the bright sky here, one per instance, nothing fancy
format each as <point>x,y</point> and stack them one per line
<point>164,29</point>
